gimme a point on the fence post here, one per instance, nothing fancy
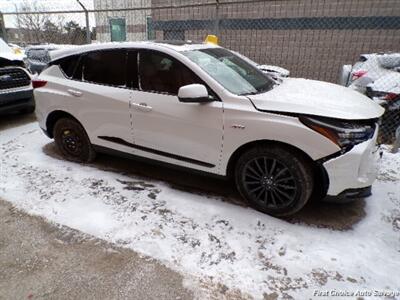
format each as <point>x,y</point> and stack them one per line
<point>88,37</point>
<point>216,21</point>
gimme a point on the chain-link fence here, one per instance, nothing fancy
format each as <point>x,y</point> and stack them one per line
<point>351,42</point>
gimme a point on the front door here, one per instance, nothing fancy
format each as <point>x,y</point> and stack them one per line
<point>187,134</point>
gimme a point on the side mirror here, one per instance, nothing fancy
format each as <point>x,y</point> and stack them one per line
<point>193,93</point>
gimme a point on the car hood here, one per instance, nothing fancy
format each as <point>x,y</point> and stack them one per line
<point>311,97</point>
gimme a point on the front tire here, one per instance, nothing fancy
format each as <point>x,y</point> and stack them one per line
<point>274,179</point>
<point>72,141</point>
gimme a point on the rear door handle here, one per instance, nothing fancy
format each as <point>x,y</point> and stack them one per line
<point>74,92</point>
<point>142,106</point>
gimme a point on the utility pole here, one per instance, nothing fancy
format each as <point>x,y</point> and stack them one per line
<point>88,38</point>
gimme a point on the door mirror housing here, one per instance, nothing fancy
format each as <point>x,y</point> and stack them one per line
<point>194,93</point>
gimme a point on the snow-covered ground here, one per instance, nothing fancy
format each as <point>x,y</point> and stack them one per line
<point>212,242</point>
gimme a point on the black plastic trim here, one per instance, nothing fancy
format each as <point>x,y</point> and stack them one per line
<point>18,104</point>
<point>350,195</point>
<point>154,151</point>
<point>195,100</point>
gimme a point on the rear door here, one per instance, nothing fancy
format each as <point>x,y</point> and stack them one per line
<point>99,97</point>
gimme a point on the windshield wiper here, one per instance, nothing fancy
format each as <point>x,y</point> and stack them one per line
<point>249,93</point>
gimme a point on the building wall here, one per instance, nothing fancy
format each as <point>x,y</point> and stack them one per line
<point>312,38</point>
<point>135,19</point>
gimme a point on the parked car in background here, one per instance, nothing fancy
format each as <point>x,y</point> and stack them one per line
<point>38,56</point>
<point>275,72</point>
<point>370,68</point>
<point>378,76</point>
<point>386,92</point>
<point>385,88</point>
<point>203,107</point>
<point>16,92</point>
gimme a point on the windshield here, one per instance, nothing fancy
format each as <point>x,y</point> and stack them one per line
<point>232,72</point>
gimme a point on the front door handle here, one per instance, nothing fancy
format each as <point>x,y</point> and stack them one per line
<point>142,106</point>
<point>74,92</point>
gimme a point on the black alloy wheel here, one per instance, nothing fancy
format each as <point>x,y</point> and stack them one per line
<point>270,182</point>
<point>274,179</point>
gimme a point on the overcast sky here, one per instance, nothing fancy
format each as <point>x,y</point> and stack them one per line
<point>48,5</point>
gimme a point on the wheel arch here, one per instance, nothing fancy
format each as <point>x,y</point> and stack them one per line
<point>53,117</point>
<point>321,179</point>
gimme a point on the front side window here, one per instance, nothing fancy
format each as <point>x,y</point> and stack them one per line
<point>163,74</point>
<point>103,67</point>
<point>232,72</point>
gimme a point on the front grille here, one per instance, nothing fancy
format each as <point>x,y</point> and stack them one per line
<point>12,78</point>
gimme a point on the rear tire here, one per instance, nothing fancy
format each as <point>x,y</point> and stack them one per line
<point>274,179</point>
<point>72,141</point>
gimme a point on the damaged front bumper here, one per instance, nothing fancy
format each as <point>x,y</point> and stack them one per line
<point>352,173</point>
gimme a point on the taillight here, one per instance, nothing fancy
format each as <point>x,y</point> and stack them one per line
<point>37,83</point>
<point>358,74</point>
<point>390,96</point>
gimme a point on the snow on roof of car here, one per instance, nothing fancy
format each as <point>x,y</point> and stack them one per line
<point>50,46</point>
<point>178,46</point>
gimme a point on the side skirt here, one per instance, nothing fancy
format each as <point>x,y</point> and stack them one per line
<point>113,152</point>
<point>154,151</point>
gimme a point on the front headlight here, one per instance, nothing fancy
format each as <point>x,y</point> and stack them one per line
<point>343,133</point>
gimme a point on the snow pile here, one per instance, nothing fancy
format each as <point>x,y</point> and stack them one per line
<point>202,236</point>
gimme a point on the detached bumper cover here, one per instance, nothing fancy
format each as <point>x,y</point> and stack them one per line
<point>355,169</point>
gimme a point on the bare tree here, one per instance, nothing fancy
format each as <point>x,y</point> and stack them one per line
<point>36,27</point>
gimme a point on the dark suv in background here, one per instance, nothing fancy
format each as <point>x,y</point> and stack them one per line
<point>16,92</point>
<point>38,56</point>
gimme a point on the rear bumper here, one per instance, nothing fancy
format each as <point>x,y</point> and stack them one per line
<point>16,100</point>
<point>353,173</point>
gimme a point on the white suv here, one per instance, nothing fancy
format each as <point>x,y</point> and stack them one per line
<point>202,107</point>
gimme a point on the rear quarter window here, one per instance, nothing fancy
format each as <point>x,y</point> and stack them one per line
<point>68,64</point>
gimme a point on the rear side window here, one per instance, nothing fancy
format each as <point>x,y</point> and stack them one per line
<point>68,64</point>
<point>103,67</point>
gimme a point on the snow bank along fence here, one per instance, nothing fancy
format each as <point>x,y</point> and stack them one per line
<point>311,38</point>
